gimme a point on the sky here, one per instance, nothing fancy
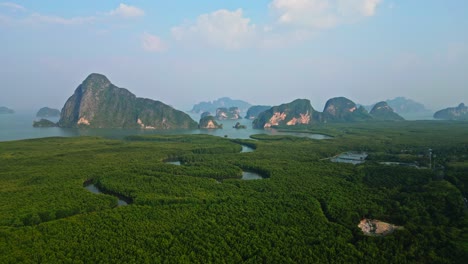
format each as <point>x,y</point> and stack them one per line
<point>264,52</point>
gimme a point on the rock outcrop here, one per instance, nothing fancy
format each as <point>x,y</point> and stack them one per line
<point>44,123</point>
<point>453,113</point>
<point>341,109</point>
<point>238,125</point>
<point>297,112</point>
<point>97,103</point>
<point>382,111</point>
<point>48,112</point>
<point>233,113</point>
<point>255,110</point>
<point>6,110</point>
<point>209,122</point>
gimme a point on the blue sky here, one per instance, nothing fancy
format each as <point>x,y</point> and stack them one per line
<point>264,52</point>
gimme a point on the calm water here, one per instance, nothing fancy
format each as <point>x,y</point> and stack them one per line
<point>94,189</point>
<point>19,126</point>
<point>246,175</point>
<point>174,162</point>
<point>246,149</point>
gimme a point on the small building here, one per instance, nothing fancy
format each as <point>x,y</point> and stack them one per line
<point>351,157</point>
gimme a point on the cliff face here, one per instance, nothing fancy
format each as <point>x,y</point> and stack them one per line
<point>382,111</point>
<point>297,112</point>
<point>453,113</point>
<point>255,110</point>
<point>233,113</point>
<point>341,109</point>
<point>97,103</point>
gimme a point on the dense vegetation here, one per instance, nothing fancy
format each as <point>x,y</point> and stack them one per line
<point>306,210</point>
<point>44,123</point>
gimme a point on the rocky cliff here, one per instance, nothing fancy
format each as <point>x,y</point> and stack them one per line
<point>97,103</point>
<point>341,109</point>
<point>233,113</point>
<point>453,113</point>
<point>48,112</point>
<point>382,111</point>
<point>209,122</point>
<point>297,112</point>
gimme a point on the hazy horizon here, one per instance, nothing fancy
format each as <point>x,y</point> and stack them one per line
<point>262,52</point>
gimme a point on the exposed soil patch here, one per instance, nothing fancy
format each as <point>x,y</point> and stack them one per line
<point>372,227</point>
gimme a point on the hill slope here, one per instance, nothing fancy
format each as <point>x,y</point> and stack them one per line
<point>97,103</point>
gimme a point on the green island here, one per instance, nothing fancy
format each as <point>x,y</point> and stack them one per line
<point>305,209</point>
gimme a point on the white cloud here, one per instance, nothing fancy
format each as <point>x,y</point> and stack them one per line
<point>127,11</point>
<point>43,19</point>
<point>358,7</point>
<point>310,13</point>
<point>322,14</point>
<point>222,28</point>
<point>35,18</point>
<point>13,6</point>
<point>153,43</point>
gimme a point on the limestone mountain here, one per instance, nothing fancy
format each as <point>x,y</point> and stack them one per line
<point>6,110</point>
<point>209,122</point>
<point>453,113</point>
<point>48,112</point>
<point>402,105</point>
<point>221,102</point>
<point>97,103</point>
<point>341,109</point>
<point>382,111</point>
<point>255,110</point>
<point>299,111</point>
<point>223,113</point>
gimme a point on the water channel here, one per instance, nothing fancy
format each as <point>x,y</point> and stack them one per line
<point>94,189</point>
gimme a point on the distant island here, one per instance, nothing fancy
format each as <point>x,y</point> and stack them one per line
<point>209,122</point>
<point>406,108</point>
<point>338,109</point>
<point>48,112</point>
<point>382,111</point>
<point>231,113</point>
<point>255,110</point>
<point>97,103</point>
<point>44,123</point>
<point>453,113</point>
<point>6,110</point>
<point>224,102</point>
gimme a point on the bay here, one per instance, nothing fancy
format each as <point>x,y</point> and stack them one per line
<point>18,126</point>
